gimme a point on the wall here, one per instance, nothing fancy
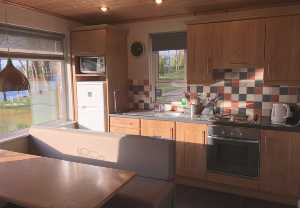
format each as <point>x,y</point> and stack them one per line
<point>140,80</point>
<point>28,18</point>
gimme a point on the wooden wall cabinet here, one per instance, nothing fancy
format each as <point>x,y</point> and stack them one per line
<point>88,42</point>
<point>159,129</point>
<point>280,168</point>
<point>222,45</point>
<point>120,125</point>
<point>244,43</point>
<point>283,51</point>
<point>191,142</point>
<point>198,48</point>
<point>105,41</point>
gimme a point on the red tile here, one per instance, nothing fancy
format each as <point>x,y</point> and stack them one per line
<point>234,104</point>
<point>227,96</point>
<point>146,82</point>
<point>251,75</point>
<point>275,98</point>
<point>292,91</point>
<point>235,83</point>
<point>250,105</point>
<point>227,110</point>
<point>260,70</point>
<point>258,90</point>
<point>221,90</point>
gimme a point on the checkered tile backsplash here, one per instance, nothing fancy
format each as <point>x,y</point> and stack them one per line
<point>243,92</point>
<point>139,95</point>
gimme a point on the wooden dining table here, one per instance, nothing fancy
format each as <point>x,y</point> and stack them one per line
<point>40,182</point>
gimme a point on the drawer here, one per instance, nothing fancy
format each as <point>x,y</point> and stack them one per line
<point>159,129</point>
<point>120,130</point>
<point>124,122</point>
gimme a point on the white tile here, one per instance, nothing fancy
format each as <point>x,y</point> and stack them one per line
<point>250,114</point>
<point>267,105</point>
<point>251,98</point>
<point>266,112</point>
<point>235,97</point>
<point>228,75</point>
<point>206,89</point>
<point>267,90</point>
<point>235,111</point>
<point>242,104</point>
<point>227,90</point>
<point>288,98</point>
<point>275,91</point>
<point>258,98</point>
<point>243,90</point>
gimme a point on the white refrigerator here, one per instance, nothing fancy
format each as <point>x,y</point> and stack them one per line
<point>91,103</point>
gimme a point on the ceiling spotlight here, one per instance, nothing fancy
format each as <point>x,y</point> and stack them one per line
<point>158,2</point>
<point>104,9</point>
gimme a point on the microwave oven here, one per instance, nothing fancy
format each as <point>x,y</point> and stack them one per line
<point>92,65</point>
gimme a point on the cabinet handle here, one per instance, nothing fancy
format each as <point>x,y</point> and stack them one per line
<point>172,133</point>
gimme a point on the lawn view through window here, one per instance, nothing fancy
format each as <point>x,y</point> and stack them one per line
<point>22,109</point>
<point>171,76</point>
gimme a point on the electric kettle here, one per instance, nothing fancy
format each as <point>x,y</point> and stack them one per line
<point>280,113</point>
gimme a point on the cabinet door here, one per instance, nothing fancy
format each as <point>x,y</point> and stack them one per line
<point>159,129</point>
<point>216,45</point>
<point>282,50</point>
<point>278,168</point>
<point>191,150</point>
<point>91,42</point>
<point>198,72</point>
<point>244,43</point>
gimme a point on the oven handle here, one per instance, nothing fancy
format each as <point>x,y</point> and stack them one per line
<point>234,140</point>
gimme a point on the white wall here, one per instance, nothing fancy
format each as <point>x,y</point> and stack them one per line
<point>28,18</point>
<point>139,67</point>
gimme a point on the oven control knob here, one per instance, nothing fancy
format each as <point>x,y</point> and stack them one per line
<point>241,134</point>
<point>223,132</point>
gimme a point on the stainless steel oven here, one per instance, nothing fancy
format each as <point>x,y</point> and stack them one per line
<point>233,150</point>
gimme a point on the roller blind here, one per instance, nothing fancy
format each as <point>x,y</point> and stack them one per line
<point>169,41</point>
<point>29,43</point>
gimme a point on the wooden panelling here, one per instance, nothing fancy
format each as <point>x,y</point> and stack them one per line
<point>124,125</point>
<point>88,43</point>
<point>280,168</point>
<point>283,50</point>
<point>120,11</point>
<point>191,150</point>
<point>159,129</point>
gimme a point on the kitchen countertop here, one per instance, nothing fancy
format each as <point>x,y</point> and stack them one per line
<point>150,115</point>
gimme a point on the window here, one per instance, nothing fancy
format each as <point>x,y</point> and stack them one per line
<point>171,76</point>
<point>42,104</point>
<point>40,56</point>
<point>169,66</point>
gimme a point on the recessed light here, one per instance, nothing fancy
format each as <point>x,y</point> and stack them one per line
<point>158,2</point>
<point>104,9</point>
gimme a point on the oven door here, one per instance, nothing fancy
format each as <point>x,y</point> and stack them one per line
<point>233,156</point>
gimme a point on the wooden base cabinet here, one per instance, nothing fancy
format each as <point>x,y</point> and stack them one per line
<point>159,129</point>
<point>280,168</point>
<point>191,140</point>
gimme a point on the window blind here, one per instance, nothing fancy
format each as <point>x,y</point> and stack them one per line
<point>169,41</point>
<point>29,43</point>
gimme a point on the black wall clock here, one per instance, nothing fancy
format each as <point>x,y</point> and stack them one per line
<point>137,49</point>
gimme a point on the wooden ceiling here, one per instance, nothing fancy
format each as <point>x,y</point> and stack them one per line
<point>88,12</point>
